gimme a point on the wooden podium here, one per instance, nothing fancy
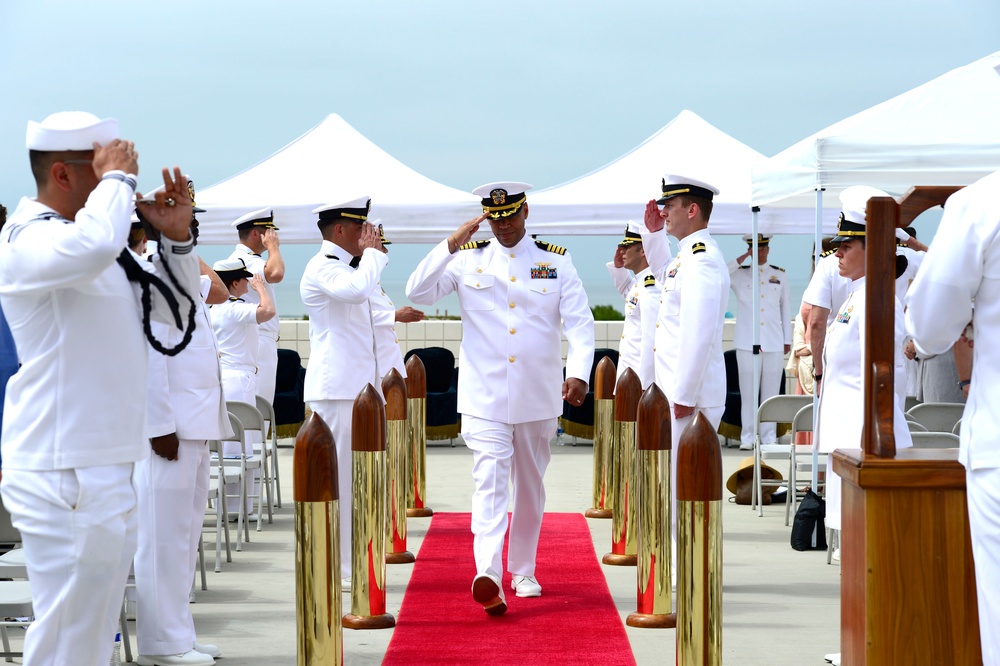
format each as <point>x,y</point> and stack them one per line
<point>908,588</point>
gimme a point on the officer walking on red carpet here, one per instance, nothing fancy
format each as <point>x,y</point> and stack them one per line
<point>516,294</point>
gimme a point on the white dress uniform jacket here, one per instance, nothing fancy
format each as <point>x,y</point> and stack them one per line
<point>690,368</point>
<point>386,343</point>
<point>341,333</point>
<point>642,301</point>
<point>236,333</point>
<point>185,391</point>
<point>962,267</point>
<point>827,288</point>
<point>77,324</point>
<point>775,311</point>
<point>842,394</point>
<point>523,291</point>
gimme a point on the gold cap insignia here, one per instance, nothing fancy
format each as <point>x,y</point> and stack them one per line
<point>499,196</point>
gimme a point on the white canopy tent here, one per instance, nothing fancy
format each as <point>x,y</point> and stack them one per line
<point>330,163</point>
<point>601,202</point>
<point>944,132</point>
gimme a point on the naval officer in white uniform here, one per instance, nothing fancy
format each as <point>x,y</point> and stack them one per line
<point>516,294</point>
<point>962,267</point>
<point>336,289</point>
<point>635,281</point>
<point>258,235</point>
<point>775,333</point>
<point>185,408</point>
<point>385,315</point>
<point>690,369</point>
<point>75,412</point>
<point>840,417</point>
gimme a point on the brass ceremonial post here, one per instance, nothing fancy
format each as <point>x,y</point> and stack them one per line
<point>604,423</point>
<point>622,470</point>
<point>416,409</point>
<point>699,545</point>
<point>908,589</point>
<point>319,636</point>
<point>653,570</point>
<point>369,524</point>
<point>399,467</point>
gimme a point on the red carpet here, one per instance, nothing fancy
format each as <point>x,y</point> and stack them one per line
<point>574,621</point>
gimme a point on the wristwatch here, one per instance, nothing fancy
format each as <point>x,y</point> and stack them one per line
<point>965,382</point>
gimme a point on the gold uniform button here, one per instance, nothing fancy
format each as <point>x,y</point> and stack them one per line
<point>511,359</point>
<point>512,255</point>
<point>477,284</point>
<point>511,306</point>
<point>513,279</point>
<point>654,348</point>
<point>623,337</point>
<point>657,324</point>
<point>513,331</point>
<point>544,289</point>
<point>479,270</point>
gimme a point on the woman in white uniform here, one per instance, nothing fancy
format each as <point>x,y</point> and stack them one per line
<point>235,324</point>
<point>841,398</point>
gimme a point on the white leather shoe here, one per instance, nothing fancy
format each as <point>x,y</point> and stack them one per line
<point>486,591</point>
<point>208,648</point>
<point>189,658</point>
<point>526,586</point>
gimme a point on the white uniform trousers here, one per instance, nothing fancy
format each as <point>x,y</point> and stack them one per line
<point>983,488</point>
<point>267,367</point>
<point>337,415</point>
<point>505,454</point>
<point>172,498</point>
<point>78,528</point>
<point>772,364</point>
<point>677,426</point>
<point>240,384</point>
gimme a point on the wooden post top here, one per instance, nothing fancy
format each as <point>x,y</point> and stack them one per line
<point>314,463</point>
<point>368,421</point>
<point>627,394</point>
<point>416,377</point>
<point>653,421</point>
<point>699,462</point>
<point>394,390</point>
<point>604,379</point>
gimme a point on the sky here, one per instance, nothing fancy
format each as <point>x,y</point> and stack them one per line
<point>467,92</point>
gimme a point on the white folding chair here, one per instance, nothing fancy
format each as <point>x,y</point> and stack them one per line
<point>934,440</point>
<point>234,471</point>
<point>253,422</point>
<point>265,408</point>
<point>937,416</point>
<point>217,503</point>
<point>958,428</point>
<point>776,409</point>
<point>915,426</point>
<point>803,422</point>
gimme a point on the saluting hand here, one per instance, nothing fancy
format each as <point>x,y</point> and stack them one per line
<point>269,239</point>
<point>369,237</point>
<point>652,216</point>
<point>619,259</point>
<point>465,232</point>
<point>171,213</point>
<point>117,155</point>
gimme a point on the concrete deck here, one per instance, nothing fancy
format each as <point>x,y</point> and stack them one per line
<point>780,606</point>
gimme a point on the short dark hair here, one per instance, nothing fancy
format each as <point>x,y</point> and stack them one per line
<point>244,233</point>
<point>705,205</point>
<point>3,215</point>
<point>42,161</point>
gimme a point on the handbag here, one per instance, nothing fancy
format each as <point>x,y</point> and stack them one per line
<point>809,517</point>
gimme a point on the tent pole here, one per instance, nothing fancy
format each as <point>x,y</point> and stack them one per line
<point>755,299</point>
<point>817,250</point>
